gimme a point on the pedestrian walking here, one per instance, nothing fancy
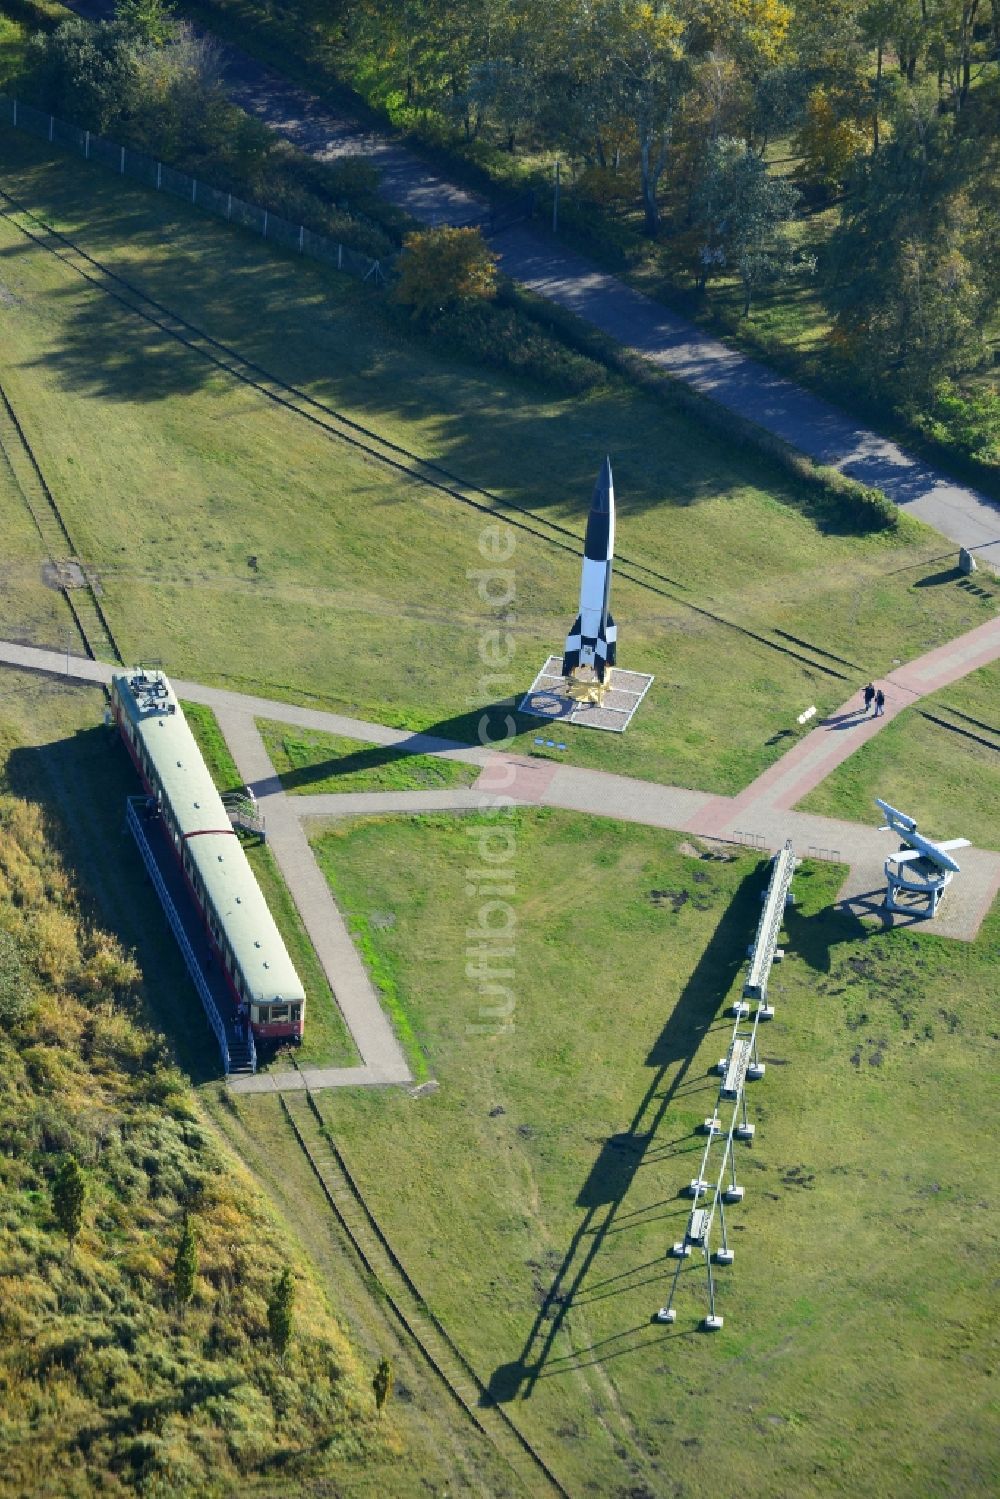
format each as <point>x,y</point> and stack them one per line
<point>869,695</point>
<point>879,703</point>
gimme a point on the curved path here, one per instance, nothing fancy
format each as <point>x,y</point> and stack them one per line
<point>760,816</point>
<point>736,381</point>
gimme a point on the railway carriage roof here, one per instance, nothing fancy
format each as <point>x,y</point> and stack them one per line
<point>215,851</point>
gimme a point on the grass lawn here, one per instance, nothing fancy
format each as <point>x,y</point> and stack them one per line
<point>948,782</point>
<point>364,591</point>
<point>309,762</point>
<point>327,1041</point>
<point>534,1194</point>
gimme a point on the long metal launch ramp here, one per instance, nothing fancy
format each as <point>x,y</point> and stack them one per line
<point>765,948</point>
<point>716,1180</point>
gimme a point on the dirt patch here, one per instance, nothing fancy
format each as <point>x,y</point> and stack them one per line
<point>62,575</point>
<point>675,899</point>
<point>720,853</point>
<point>798,1176</point>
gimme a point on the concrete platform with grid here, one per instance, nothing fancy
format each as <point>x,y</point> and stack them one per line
<point>548,698</point>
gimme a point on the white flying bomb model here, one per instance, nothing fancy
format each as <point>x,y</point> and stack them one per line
<point>592,640</point>
<point>917,846</point>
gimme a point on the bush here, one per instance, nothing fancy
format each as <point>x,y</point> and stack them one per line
<point>442,267</point>
<point>971,423</point>
<point>15,991</point>
<point>351,177</point>
<point>506,339</point>
<point>859,507</point>
<point>590,227</point>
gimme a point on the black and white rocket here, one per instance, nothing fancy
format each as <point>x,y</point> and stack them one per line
<point>591,642</point>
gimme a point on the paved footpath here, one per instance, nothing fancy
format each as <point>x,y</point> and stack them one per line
<point>762,815</point>
<point>736,381</point>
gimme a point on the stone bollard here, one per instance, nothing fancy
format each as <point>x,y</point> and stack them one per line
<point>966,562</point>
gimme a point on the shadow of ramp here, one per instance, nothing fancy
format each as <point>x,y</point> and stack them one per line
<point>614,1170</point>
<point>623,1154</point>
<point>933,580</point>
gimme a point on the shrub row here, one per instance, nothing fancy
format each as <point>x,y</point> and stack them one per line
<point>505,337</point>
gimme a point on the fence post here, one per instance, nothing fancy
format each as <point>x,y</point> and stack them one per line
<point>340,257</point>
<point>86,145</point>
<point>194,188</point>
<point>265,223</point>
<point>15,114</point>
<point>159,174</point>
<point>52,126</point>
<point>302,237</point>
<point>229,207</point>
<point>123,162</point>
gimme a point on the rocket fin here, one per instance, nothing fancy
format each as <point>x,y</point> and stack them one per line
<point>571,655</point>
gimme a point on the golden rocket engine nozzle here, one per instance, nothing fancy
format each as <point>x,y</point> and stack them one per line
<point>583,686</point>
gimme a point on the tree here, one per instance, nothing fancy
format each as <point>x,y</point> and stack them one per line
<point>84,73</point>
<point>829,140</point>
<point>911,267</point>
<point>382,1384</point>
<point>185,1264</point>
<point>281,1311</point>
<point>148,21</point>
<point>648,74</point>
<point>439,267</point>
<point>68,1193</point>
<point>740,207</point>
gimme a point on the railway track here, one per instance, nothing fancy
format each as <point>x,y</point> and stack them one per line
<point>392,455</point>
<point>71,575</point>
<point>419,1324</point>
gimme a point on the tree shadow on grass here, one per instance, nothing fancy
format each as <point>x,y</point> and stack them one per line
<point>622,1155</point>
<point>82,783</point>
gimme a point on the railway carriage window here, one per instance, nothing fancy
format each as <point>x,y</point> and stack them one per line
<point>279,1012</point>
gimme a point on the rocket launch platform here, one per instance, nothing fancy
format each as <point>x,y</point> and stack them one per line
<point>551,696</point>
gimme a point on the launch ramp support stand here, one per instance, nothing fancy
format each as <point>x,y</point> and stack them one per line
<point>716,1180</point>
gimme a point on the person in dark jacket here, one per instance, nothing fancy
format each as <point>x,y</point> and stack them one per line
<point>879,703</point>
<point>869,695</point>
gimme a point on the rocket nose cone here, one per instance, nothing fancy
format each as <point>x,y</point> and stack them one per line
<point>604,491</point>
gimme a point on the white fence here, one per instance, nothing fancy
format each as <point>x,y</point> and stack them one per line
<point>128,162</point>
